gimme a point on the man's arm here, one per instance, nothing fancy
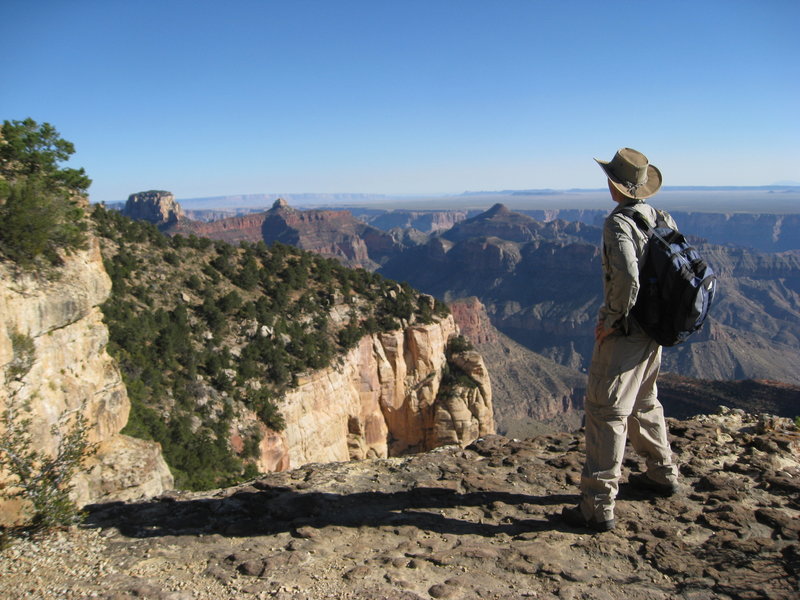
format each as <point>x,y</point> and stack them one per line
<point>622,276</point>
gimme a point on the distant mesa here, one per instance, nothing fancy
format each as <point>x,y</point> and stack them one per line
<point>155,206</point>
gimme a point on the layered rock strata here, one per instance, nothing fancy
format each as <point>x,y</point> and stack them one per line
<point>384,399</point>
<point>330,233</point>
<point>157,207</point>
<point>531,394</point>
<point>69,371</point>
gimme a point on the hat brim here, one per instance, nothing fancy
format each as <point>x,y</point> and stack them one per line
<point>650,188</point>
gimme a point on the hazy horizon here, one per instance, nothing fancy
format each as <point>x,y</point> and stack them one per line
<point>770,199</point>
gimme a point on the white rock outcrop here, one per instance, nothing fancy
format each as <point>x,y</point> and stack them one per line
<point>384,399</point>
<point>71,371</point>
<point>157,207</point>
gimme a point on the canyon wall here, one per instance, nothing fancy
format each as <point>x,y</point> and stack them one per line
<point>760,231</point>
<point>428,221</point>
<point>386,398</point>
<point>330,233</point>
<point>70,371</point>
<point>531,394</point>
<point>394,393</point>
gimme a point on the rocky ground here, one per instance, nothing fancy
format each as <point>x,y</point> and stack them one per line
<point>452,523</point>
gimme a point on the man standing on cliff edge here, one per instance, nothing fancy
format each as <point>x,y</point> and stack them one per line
<point>621,398</point>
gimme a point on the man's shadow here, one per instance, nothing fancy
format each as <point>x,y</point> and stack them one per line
<point>272,510</point>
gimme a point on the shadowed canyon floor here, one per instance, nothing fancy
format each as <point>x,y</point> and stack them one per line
<point>474,523</point>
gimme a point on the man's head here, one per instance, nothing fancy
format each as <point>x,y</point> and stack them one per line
<point>630,174</point>
<point>616,195</point>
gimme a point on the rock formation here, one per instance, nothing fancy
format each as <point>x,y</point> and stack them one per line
<point>499,222</point>
<point>427,221</point>
<point>531,394</point>
<point>157,207</point>
<point>541,285</point>
<point>384,399</point>
<point>763,232</point>
<point>474,323</point>
<point>331,233</point>
<point>480,522</point>
<point>71,371</point>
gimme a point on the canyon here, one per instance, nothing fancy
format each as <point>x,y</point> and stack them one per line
<point>386,396</point>
<point>536,275</point>
<point>541,287</point>
<point>330,233</point>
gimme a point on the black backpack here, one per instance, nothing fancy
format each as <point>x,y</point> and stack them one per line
<point>676,286</point>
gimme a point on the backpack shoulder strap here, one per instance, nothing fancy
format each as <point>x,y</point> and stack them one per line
<point>638,218</point>
<point>661,218</point>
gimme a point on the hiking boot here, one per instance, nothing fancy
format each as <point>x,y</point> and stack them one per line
<point>642,482</point>
<point>573,516</point>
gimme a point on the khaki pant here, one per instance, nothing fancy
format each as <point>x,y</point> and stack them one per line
<point>622,402</point>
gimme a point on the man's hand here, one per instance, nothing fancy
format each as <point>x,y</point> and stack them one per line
<point>601,333</point>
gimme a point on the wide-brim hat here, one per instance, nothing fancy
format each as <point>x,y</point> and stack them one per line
<point>632,174</point>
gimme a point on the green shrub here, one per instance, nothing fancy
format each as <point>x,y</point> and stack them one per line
<point>454,377</point>
<point>263,404</point>
<point>39,212</point>
<point>457,344</point>
<point>170,362</point>
<point>43,480</point>
<point>30,150</point>
<point>36,223</point>
<point>251,447</point>
<point>349,336</point>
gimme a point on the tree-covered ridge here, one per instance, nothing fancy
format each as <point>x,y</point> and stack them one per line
<point>204,330</point>
<point>41,214</point>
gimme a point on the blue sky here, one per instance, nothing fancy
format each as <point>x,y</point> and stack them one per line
<point>406,97</point>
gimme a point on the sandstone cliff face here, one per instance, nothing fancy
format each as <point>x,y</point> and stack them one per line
<point>429,221</point>
<point>384,399</point>
<point>157,207</point>
<point>230,229</point>
<point>530,393</point>
<point>71,371</point>
<point>331,233</point>
<point>474,323</point>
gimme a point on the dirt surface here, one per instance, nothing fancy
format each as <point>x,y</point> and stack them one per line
<point>458,523</point>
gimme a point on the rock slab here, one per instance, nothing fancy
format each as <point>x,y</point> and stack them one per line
<point>479,522</point>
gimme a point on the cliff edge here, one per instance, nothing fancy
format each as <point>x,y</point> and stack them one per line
<point>71,371</point>
<point>386,397</point>
<point>458,523</point>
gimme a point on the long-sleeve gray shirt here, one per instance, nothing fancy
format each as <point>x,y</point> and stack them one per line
<point>623,251</point>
